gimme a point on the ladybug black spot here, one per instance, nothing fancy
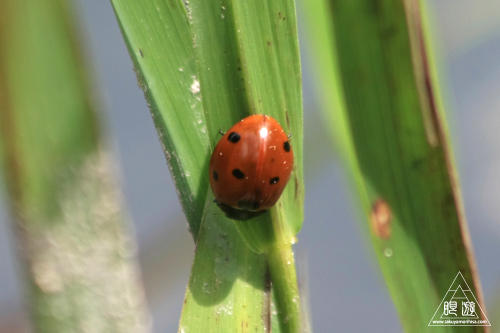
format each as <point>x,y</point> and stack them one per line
<point>274,180</point>
<point>216,176</point>
<point>234,137</point>
<point>237,173</point>
<point>286,146</point>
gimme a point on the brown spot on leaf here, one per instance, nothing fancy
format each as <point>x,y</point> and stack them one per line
<point>297,185</point>
<point>380,219</point>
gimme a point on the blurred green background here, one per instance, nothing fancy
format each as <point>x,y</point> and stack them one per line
<point>337,270</point>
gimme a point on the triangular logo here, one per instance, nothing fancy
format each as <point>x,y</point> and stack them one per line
<point>459,307</point>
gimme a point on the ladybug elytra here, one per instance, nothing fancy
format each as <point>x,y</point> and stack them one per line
<point>250,167</point>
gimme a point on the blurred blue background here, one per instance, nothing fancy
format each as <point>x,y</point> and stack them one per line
<point>337,270</point>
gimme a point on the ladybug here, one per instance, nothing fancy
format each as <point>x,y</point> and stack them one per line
<point>250,167</point>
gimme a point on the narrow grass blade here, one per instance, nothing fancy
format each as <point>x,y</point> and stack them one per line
<point>70,225</point>
<point>229,288</point>
<point>248,61</point>
<point>401,160</point>
<point>246,66</point>
<point>158,37</point>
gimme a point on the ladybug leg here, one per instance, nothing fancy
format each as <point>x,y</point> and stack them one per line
<point>289,135</point>
<point>221,133</point>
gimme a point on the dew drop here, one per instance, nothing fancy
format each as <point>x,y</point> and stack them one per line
<point>195,87</point>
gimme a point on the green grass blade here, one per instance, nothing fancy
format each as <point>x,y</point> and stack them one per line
<point>70,228</point>
<point>229,288</point>
<point>397,142</point>
<point>158,37</point>
<point>248,61</point>
<point>234,83</point>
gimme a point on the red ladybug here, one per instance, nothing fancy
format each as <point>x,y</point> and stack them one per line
<point>250,167</point>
